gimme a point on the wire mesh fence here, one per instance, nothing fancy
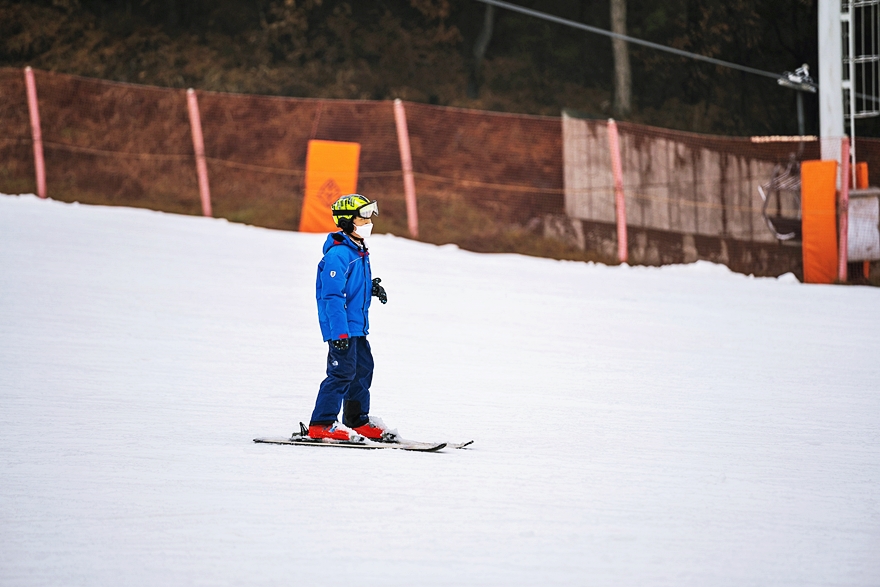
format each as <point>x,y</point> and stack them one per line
<point>486,181</point>
<point>16,147</point>
<point>481,177</point>
<point>256,151</point>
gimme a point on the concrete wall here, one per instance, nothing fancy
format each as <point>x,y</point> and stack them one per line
<point>659,247</point>
<point>672,181</point>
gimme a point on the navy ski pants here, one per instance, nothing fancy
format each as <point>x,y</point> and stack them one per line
<point>349,376</point>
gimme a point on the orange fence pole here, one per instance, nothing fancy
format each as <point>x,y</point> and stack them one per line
<point>843,210</point>
<point>195,123</point>
<point>36,132</point>
<point>619,200</point>
<point>861,175</point>
<point>409,184</point>
<point>862,183</point>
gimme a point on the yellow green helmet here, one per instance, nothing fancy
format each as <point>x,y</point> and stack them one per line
<point>347,207</point>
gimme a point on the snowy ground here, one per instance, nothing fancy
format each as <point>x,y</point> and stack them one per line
<point>633,426</point>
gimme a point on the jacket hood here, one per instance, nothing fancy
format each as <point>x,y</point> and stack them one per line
<point>340,238</point>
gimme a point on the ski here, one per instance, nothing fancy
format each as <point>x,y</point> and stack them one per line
<point>395,442</point>
<point>459,444</point>
<point>364,444</point>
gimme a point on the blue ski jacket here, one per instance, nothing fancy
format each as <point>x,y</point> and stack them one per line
<point>344,288</point>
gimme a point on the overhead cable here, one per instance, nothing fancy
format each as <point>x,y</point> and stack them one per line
<point>628,39</point>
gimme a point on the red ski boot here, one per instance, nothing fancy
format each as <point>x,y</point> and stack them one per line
<point>319,431</point>
<point>375,429</point>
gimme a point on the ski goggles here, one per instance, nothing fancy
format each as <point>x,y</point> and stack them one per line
<point>364,211</point>
<point>368,210</point>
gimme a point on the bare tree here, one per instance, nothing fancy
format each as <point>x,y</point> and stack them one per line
<point>480,46</point>
<point>622,72</point>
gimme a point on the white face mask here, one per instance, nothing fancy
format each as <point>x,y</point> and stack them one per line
<point>364,231</point>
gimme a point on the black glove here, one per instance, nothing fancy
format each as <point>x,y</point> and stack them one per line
<point>379,291</point>
<point>340,344</point>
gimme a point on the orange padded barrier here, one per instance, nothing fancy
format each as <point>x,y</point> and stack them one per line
<point>819,214</point>
<point>331,172</point>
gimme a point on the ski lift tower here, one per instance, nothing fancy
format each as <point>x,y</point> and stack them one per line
<point>849,70</point>
<point>849,90</point>
<point>861,59</point>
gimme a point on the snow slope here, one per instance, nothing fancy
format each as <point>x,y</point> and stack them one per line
<point>633,426</point>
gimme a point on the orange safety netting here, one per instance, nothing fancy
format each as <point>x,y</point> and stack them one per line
<point>480,177</point>
<point>16,146</point>
<point>114,143</point>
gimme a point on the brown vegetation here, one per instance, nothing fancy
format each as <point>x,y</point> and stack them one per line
<point>423,51</point>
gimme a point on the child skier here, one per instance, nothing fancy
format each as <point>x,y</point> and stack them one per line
<point>344,289</point>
